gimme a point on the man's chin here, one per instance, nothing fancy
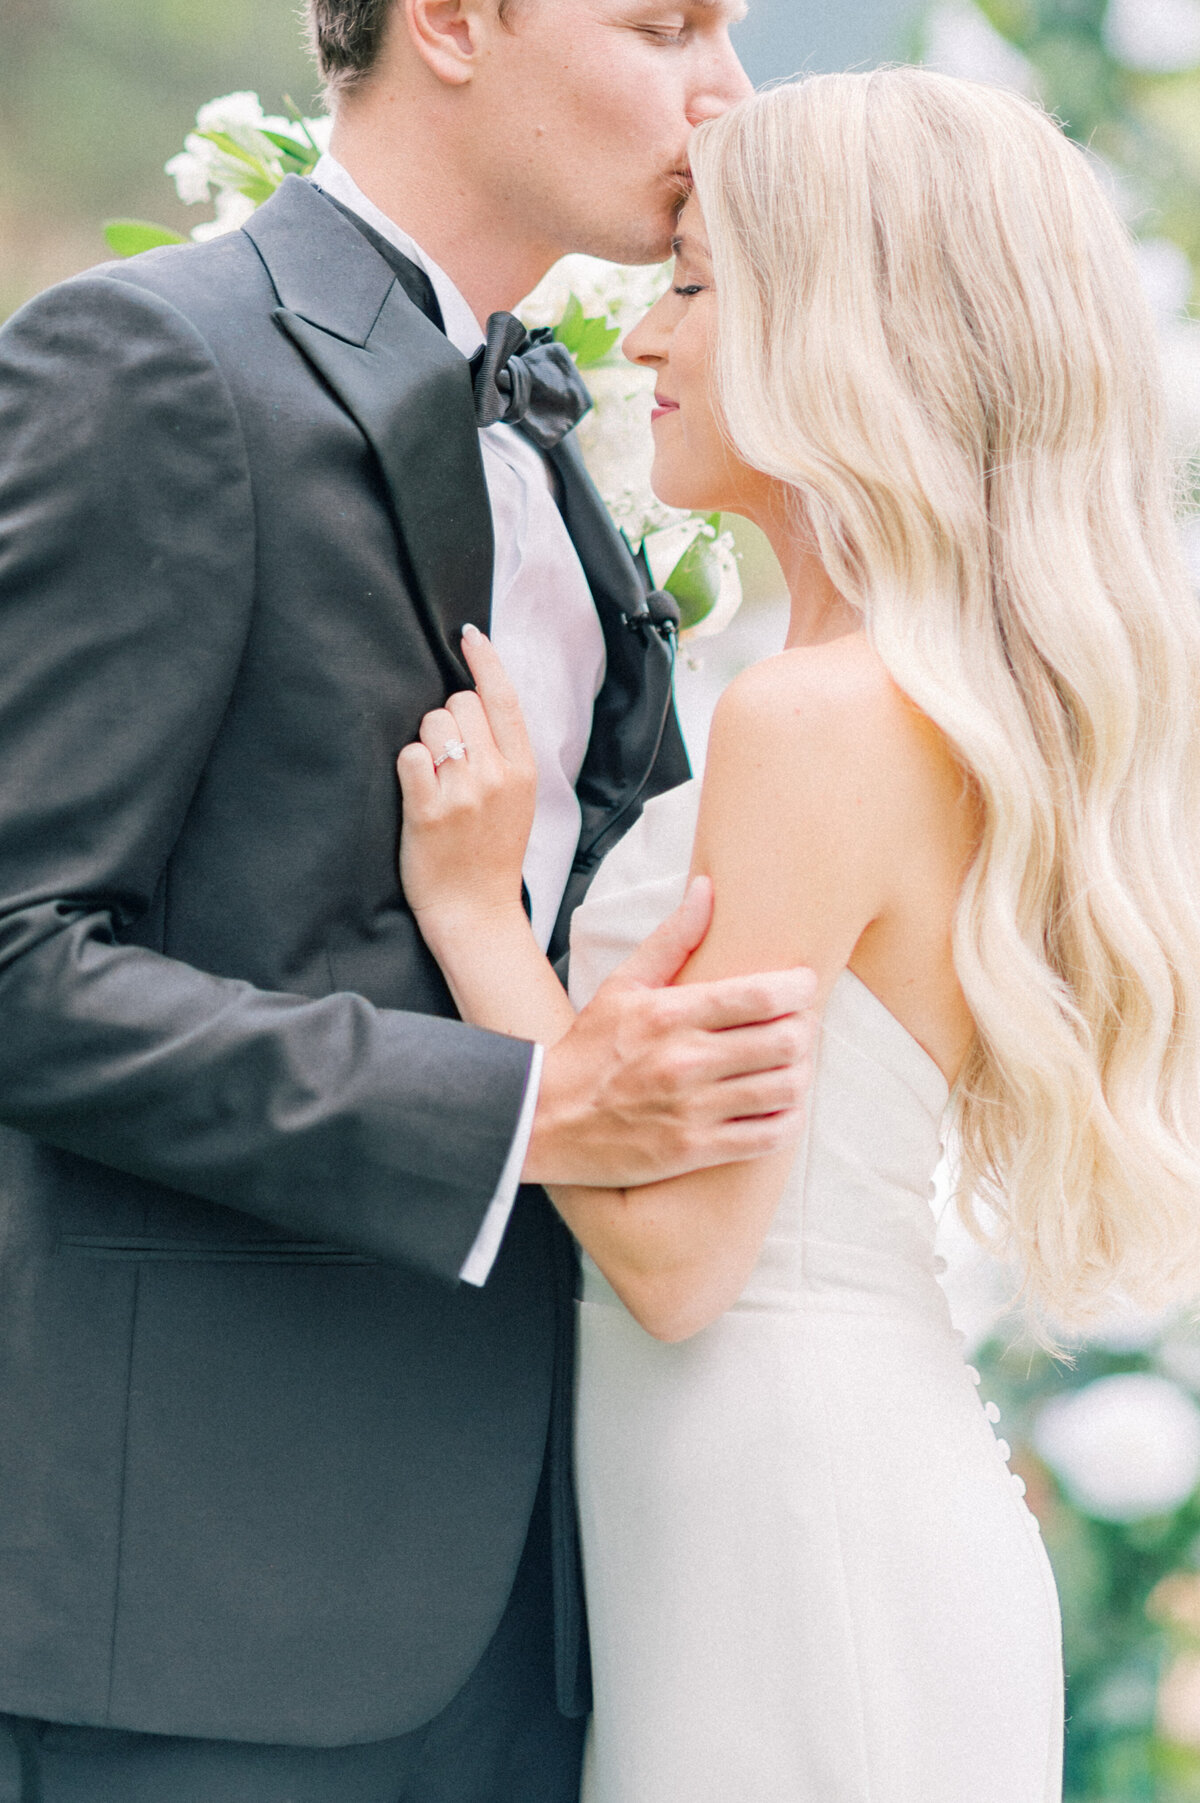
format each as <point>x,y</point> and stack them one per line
<point>648,247</point>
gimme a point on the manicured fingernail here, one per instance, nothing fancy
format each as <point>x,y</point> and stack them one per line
<point>471,632</point>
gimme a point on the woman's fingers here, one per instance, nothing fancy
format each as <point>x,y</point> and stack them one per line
<point>418,780</point>
<point>443,728</point>
<point>499,698</point>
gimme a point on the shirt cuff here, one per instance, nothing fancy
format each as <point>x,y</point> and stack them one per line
<point>482,1256</point>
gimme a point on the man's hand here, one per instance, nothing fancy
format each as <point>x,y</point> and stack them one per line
<point>652,1082</point>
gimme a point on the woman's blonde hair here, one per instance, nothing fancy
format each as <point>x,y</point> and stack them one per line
<point>931,328</point>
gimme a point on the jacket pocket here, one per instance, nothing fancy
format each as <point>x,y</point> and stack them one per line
<point>209,1252</point>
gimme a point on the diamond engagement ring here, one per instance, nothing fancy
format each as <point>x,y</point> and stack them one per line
<point>453,752</point>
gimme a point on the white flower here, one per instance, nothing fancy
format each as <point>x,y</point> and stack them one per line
<point>618,448</point>
<point>620,292</point>
<point>239,116</point>
<point>1156,36</point>
<point>1124,1447</point>
<point>233,210</point>
<point>191,172</point>
<point>960,41</point>
<point>664,548</point>
<point>202,169</point>
<point>615,436</point>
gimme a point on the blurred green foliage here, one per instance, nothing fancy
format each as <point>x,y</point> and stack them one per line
<point>1116,1645</point>
<point>1146,125</point>
<point>95,95</point>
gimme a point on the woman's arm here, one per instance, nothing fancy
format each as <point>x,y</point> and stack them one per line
<point>777,813</point>
<point>796,832</point>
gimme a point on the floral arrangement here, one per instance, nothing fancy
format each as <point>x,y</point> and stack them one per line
<point>236,158</point>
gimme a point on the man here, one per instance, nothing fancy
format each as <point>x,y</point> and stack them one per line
<point>285,1507</point>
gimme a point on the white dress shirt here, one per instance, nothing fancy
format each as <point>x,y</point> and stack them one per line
<point>545,628</point>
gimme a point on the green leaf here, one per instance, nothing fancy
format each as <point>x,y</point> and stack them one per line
<point>588,340</point>
<point>297,118</point>
<point>298,155</point>
<point>695,582</point>
<point>129,237</point>
<point>260,181</point>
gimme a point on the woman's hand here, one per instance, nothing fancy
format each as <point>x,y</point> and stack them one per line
<point>467,817</point>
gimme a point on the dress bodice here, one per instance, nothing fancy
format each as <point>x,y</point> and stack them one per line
<point>810,1574</point>
<point>854,1228</point>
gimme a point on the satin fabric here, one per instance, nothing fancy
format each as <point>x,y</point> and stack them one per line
<point>811,1577</point>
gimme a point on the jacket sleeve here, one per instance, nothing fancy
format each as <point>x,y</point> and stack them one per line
<point>127,555</point>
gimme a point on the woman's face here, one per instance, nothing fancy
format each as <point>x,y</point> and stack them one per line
<point>695,466</point>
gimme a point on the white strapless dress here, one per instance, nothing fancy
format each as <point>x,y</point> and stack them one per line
<point>811,1577</point>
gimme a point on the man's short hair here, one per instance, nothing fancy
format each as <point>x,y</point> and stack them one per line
<point>346,37</point>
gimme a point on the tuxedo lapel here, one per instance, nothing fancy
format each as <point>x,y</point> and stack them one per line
<point>408,389</point>
<point>633,713</point>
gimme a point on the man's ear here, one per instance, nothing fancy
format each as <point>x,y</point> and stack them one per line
<point>446,35</point>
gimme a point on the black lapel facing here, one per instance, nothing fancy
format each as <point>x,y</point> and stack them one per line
<point>633,716</point>
<point>407,387</point>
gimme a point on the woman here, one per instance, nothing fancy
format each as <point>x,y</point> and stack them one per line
<point>905,337</point>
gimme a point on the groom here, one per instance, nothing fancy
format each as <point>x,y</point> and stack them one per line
<point>285,1496</point>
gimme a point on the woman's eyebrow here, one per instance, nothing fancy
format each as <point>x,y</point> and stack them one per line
<point>683,246</point>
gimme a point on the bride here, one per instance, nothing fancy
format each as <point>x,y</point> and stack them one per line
<point>904,337</point>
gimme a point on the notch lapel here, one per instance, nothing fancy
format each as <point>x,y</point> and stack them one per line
<point>408,389</point>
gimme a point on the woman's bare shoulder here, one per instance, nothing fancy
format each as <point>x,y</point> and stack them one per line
<point>838,695</point>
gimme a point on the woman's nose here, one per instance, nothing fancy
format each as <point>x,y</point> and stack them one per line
<point>646,344</point>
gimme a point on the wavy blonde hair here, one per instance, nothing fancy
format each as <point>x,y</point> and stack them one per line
<point>931,328</point>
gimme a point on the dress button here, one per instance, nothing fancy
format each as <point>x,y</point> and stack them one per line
<point>1004,1449</point>
<point>1019,1484</point>
<point>973,1375</point>
<point>992,1412</point>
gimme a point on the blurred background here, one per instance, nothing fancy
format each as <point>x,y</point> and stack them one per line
<point>96,95</point>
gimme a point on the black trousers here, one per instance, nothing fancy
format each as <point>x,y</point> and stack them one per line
<point>502,1739</point>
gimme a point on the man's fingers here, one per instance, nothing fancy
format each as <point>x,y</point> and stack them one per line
<point>771,1046</point>
<point>766,1093</point>
<point>661,957</point>
<point>758,1138</point>
<point>741,1001</point>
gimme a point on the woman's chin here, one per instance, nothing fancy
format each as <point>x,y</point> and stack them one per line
<point>673,489</point>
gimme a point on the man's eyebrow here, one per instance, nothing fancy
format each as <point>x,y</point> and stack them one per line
<point>737,9</point>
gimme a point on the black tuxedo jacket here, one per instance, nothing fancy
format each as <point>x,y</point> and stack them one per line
<point>265,1467</point>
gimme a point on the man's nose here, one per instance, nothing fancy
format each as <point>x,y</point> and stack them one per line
<point>725,83</point>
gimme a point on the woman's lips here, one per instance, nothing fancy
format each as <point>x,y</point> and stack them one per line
<point>662,408</point>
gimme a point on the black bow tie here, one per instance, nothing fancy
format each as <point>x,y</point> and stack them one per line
<point>526,378</point>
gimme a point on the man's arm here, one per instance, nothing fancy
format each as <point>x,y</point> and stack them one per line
<point>126,567</point>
